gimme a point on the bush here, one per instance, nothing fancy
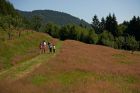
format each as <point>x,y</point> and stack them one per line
<point>131,43</point>
<point>106,38</point>
<point>92,37</point>
<point>52,29</point>
<point>120,42</point>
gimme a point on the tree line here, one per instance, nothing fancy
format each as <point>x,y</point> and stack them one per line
<point>105,32</point>
<point>121,36</point>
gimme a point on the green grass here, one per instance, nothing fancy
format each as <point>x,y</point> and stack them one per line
<point>70,79</point>
<point>126,62</point>
<point>29,65</point>
<point>21,47</point>
<point>73,77</point>
<point>66,78</point>
<point>127,79</point>
<point>119,56</point>
<point>38,79</point>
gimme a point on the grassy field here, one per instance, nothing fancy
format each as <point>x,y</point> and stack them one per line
<point>75,68</point>
<point>22,69</point>
<point>19,49</point>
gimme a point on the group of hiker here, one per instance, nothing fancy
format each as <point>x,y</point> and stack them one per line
<point>44,46</point>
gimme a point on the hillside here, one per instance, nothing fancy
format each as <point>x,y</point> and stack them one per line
<point>20,49</point>
<point>6,8</point>
<point>79,68</point>
<point>56,17</point>
<point>75,67</point>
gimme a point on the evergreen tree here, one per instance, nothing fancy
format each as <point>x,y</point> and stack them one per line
<point>102,25</point>
<point>111,24</point>
<point>96,24</point>
<point>134,28</point>
<point>64,33</point>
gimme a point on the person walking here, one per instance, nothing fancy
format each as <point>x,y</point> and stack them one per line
<point>49,47</point>
<point>54,48</point>
<point>41,47</point>
<point>44,46</point>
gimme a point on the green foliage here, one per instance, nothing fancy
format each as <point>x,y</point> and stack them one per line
<point>106,32</point>
<point>52,29</point>
<point>20,49</point>
<point>102,25</point>
<point>111,24</point>
<point>123,36</point>
<point>6,23</point>
<point>10,19</point>
<point>6,8</point>
<point>92,37</point>
<point>74,32</point>
<point>64,33</point>
<point>106,38</point>
<point>134,28</point>
<point>36,23</point>
<point>56,17</point>
<point>131,43</point>
<point>120,42</point>
<point>96,24</point>
<point>121,30</point>
<point>9,24</point>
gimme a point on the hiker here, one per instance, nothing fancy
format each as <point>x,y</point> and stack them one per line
<point>49,46</point>
<point>54,48</point>
<point>41,47</point>
<point>44,46</point>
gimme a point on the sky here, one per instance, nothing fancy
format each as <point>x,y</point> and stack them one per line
<point>84,9</point>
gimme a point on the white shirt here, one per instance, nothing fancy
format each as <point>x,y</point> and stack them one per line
<point>45,43</point>
<point>53,47</point>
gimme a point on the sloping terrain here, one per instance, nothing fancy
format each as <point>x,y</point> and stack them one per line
<point>56,17</point>
<point>80,68</point>
<point>21,48</point>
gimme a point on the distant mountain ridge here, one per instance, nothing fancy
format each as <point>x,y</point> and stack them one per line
<point>56,17</point>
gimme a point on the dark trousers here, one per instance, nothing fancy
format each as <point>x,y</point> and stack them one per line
<point>50,49</point>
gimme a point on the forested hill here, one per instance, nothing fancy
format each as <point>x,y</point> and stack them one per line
<point>6,8</point>
<point>56,17</point>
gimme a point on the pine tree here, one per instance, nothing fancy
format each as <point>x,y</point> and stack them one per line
<point>102,25</point>
<point>96,24</point>
<point>111,24</point>
<point>134,28</point>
